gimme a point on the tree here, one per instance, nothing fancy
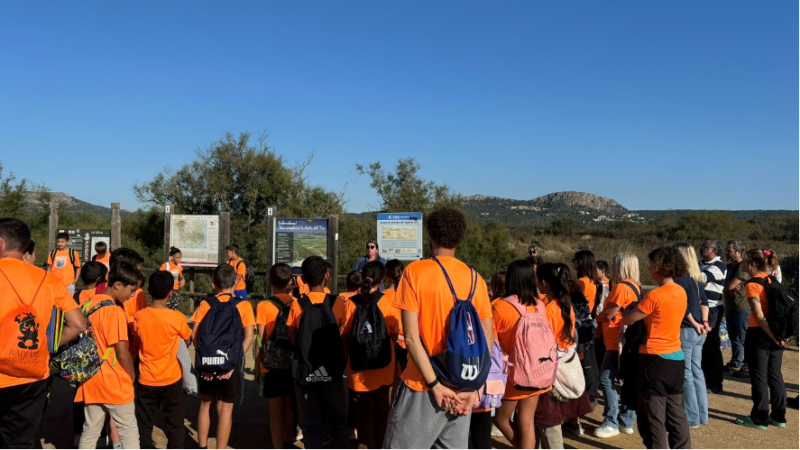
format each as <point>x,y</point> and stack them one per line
<point>12,194</point>
<point>405,191</point>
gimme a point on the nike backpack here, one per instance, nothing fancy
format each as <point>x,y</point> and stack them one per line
<point>220,337</point>
<point>534,361</point>
<point>370,346</point>
<point>319,358</point>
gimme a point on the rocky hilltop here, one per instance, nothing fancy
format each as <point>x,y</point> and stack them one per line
<point>580,200</point>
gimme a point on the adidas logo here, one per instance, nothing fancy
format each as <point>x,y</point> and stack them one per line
<point>319,376</point>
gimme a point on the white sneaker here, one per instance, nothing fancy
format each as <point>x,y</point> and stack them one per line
<point>626,430</point>
<point>605,431</point>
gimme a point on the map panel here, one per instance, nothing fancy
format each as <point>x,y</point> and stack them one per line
<point>400,236</point>
<point>197,237</point>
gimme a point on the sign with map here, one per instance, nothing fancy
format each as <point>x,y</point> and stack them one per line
<point>400,236</point>
<point>297,239</point>
<point>83,241</point>
<point>197,237</point>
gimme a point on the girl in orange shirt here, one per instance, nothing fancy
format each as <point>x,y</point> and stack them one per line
<point>590,285</point>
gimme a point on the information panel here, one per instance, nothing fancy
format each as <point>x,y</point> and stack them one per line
<point>82,240</point>
<point>400,236</point>
<point>297,239</point>
<point>197,237</point>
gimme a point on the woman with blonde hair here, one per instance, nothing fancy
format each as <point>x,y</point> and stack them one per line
<point>617,417</point>
<point>694,330</point>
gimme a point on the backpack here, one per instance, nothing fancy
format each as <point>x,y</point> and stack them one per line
<point>249,276</point>
<point>320,357</point>
<point>584,323</point>
<point>220,337</point>
<point>533,366</point>
<point>79,360</point>
<point>598,297</point>
<point>570,382</point>
<point>783,314</point>
<point>277,349</point>
<point>370,346</point>
<point>23,349</point>
<point>492,392</point>
<point>465,361</point>
<point>71,256</point>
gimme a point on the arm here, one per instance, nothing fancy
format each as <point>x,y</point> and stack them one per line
<point>488,331</point>
<point>699,328</point>
<point>735,284</point>
<point>181,280</point>
<point>75,324</point>
<point>755,307</point>
<point>193,338</point>
<point>632,316</point>
<point>78,274</point>
<point>124,358</point>
<point>249,337</point>
<point>608,313</point>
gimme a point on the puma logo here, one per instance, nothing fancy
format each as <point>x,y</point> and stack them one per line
<point>220,352</point>
<point>541,360</point>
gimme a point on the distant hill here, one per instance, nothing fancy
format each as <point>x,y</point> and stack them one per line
<point>74,205</point>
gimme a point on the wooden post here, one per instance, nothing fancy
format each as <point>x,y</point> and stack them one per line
<point>51,236</point>
<point>168,210</point>
<point>333,251</point>
<point>116,228</point>
<point>272,213</point>
<point>190,277</point>
<point>224,235</point>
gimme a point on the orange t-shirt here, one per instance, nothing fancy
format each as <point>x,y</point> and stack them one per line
<point>176,270</point>
<point>131,306</point>
<point>25,278</point>
<point>85,295</point>
<point>160,331</point>
<point>303,288</point>
<point>241,272</point>
<point>371,380</point>
<point>245,311</point>
<point>589,290</point>
<point>665,308</point>
<point>553,313</point>
<point>61,267</point>
<point>111,385</point>
<point>267,315</point>
<point>505,319</point>
<point>296,313</point>
<point>106,260</point>
<point>423,290</point>
<point>622,296</point>
<point>753,290</point>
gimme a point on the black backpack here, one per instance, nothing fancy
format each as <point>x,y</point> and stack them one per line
<point>783,314</point>
<point>370,346</point>
<point>320,357</point>
<point>635,335</point>
<point>220,338</point>
<point>249,276</point>
<point>277,349</point>
<point>584,323</point>
<point>598,297</point>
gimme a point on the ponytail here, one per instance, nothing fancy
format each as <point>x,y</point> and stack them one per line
<point>394,271</point>
<point>372,274</point>
<point>761,260</point>
<point>554,275</point>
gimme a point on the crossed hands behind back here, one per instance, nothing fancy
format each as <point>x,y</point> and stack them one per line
<point>457,403</point>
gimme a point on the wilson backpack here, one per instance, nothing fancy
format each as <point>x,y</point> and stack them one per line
<point>584,323</point>
<point>249,276</point>
<point>79,359</point>
<point>220,337</point>
<point>535,359</point>
<point>23,346</point>
<point>465,361</point>
<point>370,346</point>
<point>782,316</point>
<point>277,350</point>
<point>320,357</point>
<point>492,392</point>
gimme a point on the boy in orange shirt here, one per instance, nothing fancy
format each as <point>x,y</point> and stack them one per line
<point>235,261</point>
<point>277,384</point>
<point>160,376</point>
<point>64,262</point>
<point>110,391</point>
<point>223,390</point>
<point>102,254</point>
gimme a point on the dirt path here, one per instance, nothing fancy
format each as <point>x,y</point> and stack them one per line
<point>250,428</point>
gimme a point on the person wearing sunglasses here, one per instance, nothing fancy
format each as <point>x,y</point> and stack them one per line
<point>533,250</point>
<point>373,254</point>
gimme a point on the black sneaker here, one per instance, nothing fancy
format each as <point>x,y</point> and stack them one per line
<point>741,373</point>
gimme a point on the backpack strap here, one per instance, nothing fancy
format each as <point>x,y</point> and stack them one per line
<point>472,279</point>
<point>514,301</point>
<point>330,300</point>
<point>636,291</point>
<point>17,293</point>
<point>304,302</point>
<point>72,253</point>
<point>278,303</point>
<point>88,308</point>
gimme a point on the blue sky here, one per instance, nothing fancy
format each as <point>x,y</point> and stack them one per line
<point>658,105</point>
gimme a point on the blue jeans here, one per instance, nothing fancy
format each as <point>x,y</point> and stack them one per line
<point>613,413</point>
<point>737,328</point>
<point>695,397</point>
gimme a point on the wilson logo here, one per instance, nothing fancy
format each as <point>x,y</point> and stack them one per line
<point>469,372</point>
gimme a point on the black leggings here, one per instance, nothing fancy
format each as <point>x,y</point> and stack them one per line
<point>480,429</point>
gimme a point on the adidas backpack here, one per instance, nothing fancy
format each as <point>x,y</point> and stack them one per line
<point>465,361</point>
<point>277,349</point>
<point>534,362</point>
<point>220,337</point>
<point>782,316</point>
<point>319,358</point>
<point>79,360</point>
<point>370,346</point>
<point>23,346</point>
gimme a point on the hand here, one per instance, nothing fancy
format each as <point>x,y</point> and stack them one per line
<point>781,342</point>
<point>469,399</point>
<point>225,376</point>
<point>738,287</point>
<point>700,329</point>
<point>207,376</point>
<point>444,397</point>
<point>707,327</point>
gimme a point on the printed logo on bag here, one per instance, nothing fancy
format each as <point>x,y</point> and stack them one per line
<point>216,360</point>
<point>470,332</point>
<point>29,331</point>
<point>367,328</point>
<point>319,375</point>
<point>469,372</point>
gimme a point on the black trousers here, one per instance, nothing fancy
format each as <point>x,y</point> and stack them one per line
<point>591,372</point>
<point>660,416</point>
<point>172,401</point>
<point>712,354</point>
<point>480,429</point>
<point>766,380</point>
<point>21,414</point>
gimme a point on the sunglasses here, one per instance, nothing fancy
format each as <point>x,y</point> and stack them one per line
<point>533,252</point>
<point>371,247</point>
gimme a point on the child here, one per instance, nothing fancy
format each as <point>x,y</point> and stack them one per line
<point>235,261</point>
<point>353,282</point>
<point>110,391</point>
<point>29,255</point>
<point>174,267</point>
<point>160,379</point>
<point>64,262</point>
<point>277,384</point>
<point>394,272</point>
<point>223,390</point>
<point>102,255</point>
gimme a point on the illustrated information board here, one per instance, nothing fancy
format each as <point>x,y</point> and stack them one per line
<point>197,237</point>
<point>297,239</point>
<point>400,236</point>
<point>83,241</point>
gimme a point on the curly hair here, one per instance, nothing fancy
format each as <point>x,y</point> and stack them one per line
<point>668,262</point>
<point>447,227</point>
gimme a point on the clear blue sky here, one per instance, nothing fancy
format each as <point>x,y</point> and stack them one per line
<point>658,105</point>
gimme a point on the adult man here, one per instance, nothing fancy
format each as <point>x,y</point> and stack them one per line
<point>533,250</point>
<point>737,310</point>
<point>426,412</point>
<point>23,392</point>
<point>714,271</point>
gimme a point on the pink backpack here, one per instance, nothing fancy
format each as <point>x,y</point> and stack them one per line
<point>534,361</point>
